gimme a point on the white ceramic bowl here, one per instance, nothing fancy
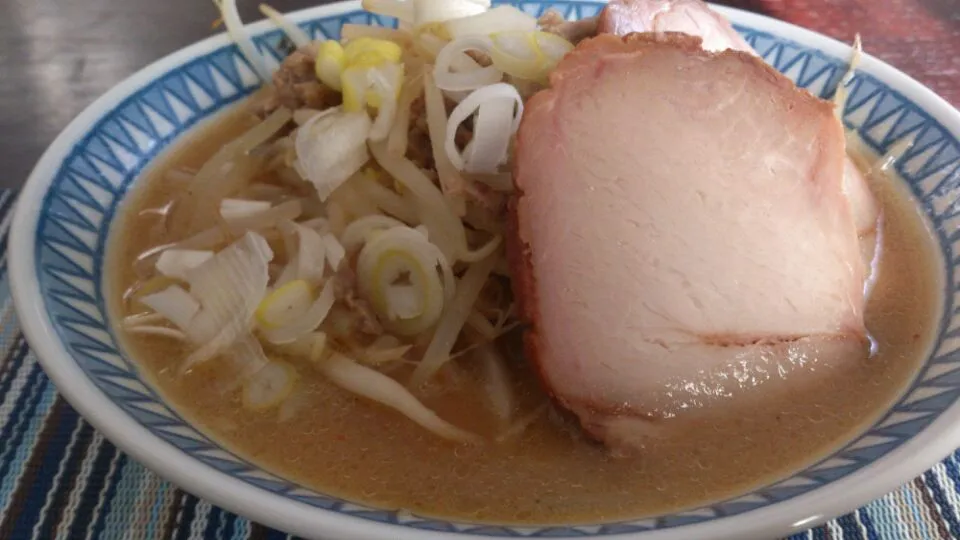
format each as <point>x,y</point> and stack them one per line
<point>65,211</point>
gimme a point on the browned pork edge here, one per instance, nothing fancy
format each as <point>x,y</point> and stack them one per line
<point>589,51</point>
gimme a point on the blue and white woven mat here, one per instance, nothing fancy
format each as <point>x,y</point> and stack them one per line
<point>59,478</point>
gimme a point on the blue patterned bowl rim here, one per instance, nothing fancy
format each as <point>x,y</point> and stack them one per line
<point>62,224</point>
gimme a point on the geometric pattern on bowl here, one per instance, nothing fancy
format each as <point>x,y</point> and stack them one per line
<point>100,168</point>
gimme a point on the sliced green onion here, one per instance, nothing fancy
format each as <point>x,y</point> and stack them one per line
<point>356,233</point>
<point>404,308</point>
<point>499,19</point>
<point>270,386</point>
<point>229,287</point>
<point>285,304</point>
<point>307,322</point>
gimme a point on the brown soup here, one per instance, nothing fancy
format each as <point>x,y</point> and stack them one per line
<point>361,451</point>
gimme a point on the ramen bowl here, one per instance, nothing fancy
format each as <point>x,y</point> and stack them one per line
<point>65,213</point>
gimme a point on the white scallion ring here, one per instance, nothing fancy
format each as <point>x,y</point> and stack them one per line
<point>408,308</point>
<point>447,59</point>
<point>499,108</point>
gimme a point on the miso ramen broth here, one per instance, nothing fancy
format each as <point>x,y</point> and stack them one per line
<point>330,440</point>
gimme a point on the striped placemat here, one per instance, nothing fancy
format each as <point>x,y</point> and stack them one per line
<point>59,478</point>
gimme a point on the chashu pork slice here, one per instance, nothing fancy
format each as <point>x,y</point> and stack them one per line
<point>695,18</point>
<point>680,233</point>
<point>692,17</point>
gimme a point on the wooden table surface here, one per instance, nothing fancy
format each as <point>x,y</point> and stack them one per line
<point>57,56</point>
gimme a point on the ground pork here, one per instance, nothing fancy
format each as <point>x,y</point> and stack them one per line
<point>295,85</point>
<point>572,31</point>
